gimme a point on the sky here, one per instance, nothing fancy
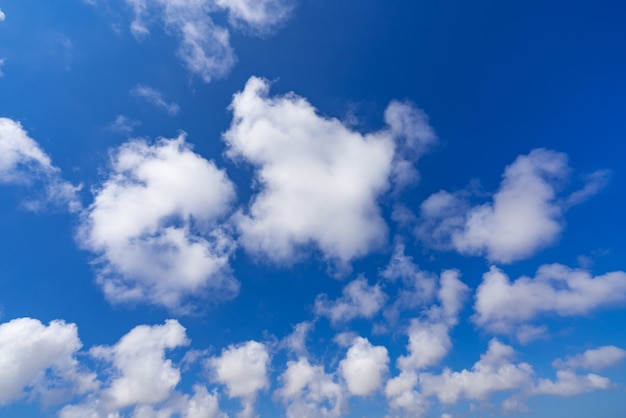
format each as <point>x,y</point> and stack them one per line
<point>312,208</point>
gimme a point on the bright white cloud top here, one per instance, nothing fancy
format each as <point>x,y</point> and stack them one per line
<point>312,209</point>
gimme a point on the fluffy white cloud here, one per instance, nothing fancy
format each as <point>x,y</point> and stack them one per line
<point>310,392</point>
<point>205,46</point>
<point>568,384</point>
<point>358,300</point>
<point>364,367</point>
<point>401,394</point>
<point>40,360</point>
<point>142,373</point>
<point>593,359</point>
<point>243,370</point>
<point>2,15</point>
<point>525,215</point>
<point>259,16</point>
<point>155,98</point>
<point>22,161</point>
<point>555,289</point>
<point>492,373</point>
<point>429,339</point>
<point>153,225</point>
<point>318,181</point>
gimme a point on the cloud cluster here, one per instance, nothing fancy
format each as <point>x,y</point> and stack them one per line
<point>525,214</point>
<point>204,46</point>
<point>501,304</point>
<point>154,225</point>
<point>318,181</point>
<point>359,300</point>
<point>23,162</point>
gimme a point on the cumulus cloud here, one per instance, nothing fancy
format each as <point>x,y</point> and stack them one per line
<point>525,214</point>
<point>568,383</point>
<point>155,98</point>
<point>153,225</point>
<point>358,300</point>
<point>204,46</point>
<point>494,372</point>
<point>2,16</point>
<point>318,181</point>
<point>556,289</point>
<point>243,370</point>
<point>364,367</point>
<point>310,392</point>
<point>40,361</point>
<point>593,359</point>
<point>23,162</point>
<point>139,376</point>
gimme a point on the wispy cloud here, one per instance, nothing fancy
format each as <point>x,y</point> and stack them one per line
<point>155,98</point>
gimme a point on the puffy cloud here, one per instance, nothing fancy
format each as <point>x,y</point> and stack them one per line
<point>364,367</point>
<point>41,361</point>
<point>259,16</point>
<point>593,359</point>
<point>22,161</point>
<point>155,98</point>
<point>2,16</point>
<point>555,289</point>
<point>401,393</point>
<point>205,46</point>
<point>243,370</point>
<point>143,374</point>
<point>153,225</point>
<point>429,339</point>
<point>318,181</point>
<point>358,300</point>
<point>310,392</point>
<point>492,373</point>
<point>568,384</point>
<point>526,213</point>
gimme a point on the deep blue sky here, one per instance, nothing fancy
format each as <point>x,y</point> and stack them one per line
<point>489,82</point>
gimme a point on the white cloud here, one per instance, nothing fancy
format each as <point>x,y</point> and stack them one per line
<point>318,181</point>
<point>1,64</point>
<point>243,370</point>
<point>526,213</point>
<point>494,372</point>
<point>309,392</point>
<point>40,360</point>
<point>401,394</point>
<point>429,339</point>
<point>142,373</point>
<point>358,300</point>
<point>205,46</point>
<point>526,333</point>
<point>568,384</point>
<point>593,359</point>
<point>2,16</point>
<point>23,162</point>
<point>364,367</point>
<point>555,289</point>
<point>155,98</point>
<point>259,16</point>
<point>153,225</point>
<point>123,124</point>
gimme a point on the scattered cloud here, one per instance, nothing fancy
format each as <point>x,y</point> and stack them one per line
<point>525,215</point>
<point>205,46</point>
<point>358,300</point>
<point>593,359</point>
<point>123,125</point>
<point>318,181</point>
<point>243,370</point>
<point>39,361</point>
<point>153,226</point>
<point>23,162</point>
<point>309,392</point>
<point>556,289</point>
<point>494,372</point>
<point>365,367</point>
<point>2,16</point>
<point>568,383</point>
<point>1,65</point>
<point>155,98</point>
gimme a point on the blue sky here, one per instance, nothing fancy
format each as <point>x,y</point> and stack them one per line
<point>311,208</point>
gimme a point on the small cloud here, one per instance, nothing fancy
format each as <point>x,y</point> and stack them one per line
<point>1,62</point>
<point>123,125</point>
<point>2,16</point>
<point>155,98</point>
